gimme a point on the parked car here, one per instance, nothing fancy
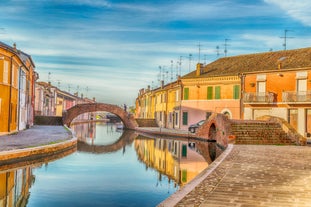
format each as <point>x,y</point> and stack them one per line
<point>193,127</point>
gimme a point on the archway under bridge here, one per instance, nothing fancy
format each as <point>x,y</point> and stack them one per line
<point>127,119</point>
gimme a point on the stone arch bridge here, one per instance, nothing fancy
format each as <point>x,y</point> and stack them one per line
<point>127,119</point>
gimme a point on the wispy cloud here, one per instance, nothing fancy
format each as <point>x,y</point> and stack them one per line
<point>299,10</point>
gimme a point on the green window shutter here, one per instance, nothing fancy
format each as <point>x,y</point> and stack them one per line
<point>184,176</point>
<point>184,150</point>
<point>185,118</point>
<point>186,93</point>
<point>236,92</point>
<point>217,92</point>
<point>209,92</point>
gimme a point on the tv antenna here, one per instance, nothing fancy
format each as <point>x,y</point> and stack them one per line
<point>217,51</point>
<point>171,70</point>
<point>190,58</point>
<point>285,37</point>
<point>226,44</point>
<point>199,45</point>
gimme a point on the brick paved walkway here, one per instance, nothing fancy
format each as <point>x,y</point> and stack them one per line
<point>257,175</point>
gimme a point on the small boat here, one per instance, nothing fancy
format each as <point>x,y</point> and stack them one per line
<point>119,126</point>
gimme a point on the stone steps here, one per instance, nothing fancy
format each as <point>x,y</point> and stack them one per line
<point>263,133</point>
<point>146,122</point>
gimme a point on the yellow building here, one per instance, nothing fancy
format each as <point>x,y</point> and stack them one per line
<point>17,79</point>
<point>210,88</point>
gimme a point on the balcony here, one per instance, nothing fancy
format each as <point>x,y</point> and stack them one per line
<point>296,96</point>
<point>259,97</point>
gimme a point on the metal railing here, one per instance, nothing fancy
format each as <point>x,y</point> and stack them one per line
<point>296,96</point>
<point>259,97</point>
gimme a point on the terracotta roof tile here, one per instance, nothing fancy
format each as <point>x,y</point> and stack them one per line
<point>267,61</point>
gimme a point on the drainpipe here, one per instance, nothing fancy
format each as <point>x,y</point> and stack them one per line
<point>19,91</point>
<point>242,77</point>
<point>10,93</point>
<point>180,100</point>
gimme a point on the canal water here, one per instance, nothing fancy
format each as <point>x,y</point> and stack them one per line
<point>111,167</point>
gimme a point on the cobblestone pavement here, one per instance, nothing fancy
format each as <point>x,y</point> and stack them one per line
<point>257,175</point>
<point>35,136</point>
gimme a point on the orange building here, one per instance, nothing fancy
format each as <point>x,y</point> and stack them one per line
<point>17,78</point>
<point>281,87</point>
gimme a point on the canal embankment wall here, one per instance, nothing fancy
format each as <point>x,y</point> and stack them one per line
<point>35,143</point>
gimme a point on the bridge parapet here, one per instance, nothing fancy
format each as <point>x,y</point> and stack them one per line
<point>216,127</point>
<point>127,119</point>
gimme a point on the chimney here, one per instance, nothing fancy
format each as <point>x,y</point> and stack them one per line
<point>199,69</point>
<point>14,46</point>
<point>279,65</point>
<point>162,83</point>
<point>148,87</point>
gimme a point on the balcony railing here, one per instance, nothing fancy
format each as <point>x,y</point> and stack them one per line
<point>259,97</point>
<point>296,96</point>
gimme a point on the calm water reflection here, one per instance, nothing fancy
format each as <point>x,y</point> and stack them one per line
<point>110,168</point>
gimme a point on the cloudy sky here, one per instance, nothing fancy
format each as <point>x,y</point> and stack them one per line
<point>111,49</point>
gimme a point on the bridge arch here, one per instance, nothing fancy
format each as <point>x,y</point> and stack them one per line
<point>127,119</point>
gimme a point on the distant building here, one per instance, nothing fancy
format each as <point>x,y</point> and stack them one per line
<point>17,81</point>
<point>51,101</point>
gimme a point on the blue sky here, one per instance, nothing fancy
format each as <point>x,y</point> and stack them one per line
<point>111,49</point>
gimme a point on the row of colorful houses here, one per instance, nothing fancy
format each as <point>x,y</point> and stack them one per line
<point>241,87</point>
<point>51,101</point>
<point>22,97</point>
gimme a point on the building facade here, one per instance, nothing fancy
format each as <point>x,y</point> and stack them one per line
<point>282,90</point>
<point>17,81</point>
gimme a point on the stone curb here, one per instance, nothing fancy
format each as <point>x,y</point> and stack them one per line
<point>7,157</point>
<point>180,194</point>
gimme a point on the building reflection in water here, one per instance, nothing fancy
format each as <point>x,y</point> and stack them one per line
<point>14,186</point>
<point>180,160</point>
<point>17,179</point>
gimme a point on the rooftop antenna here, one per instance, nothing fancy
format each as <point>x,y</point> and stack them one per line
<point>49,77</point>
<point>171,70</point>
<point>217,51</point>
<point>190,57</point>
<point>69,88</point>
<point>285,37</point>
<point>226,44</point>
<point>58,84</point>
<point>205,58</point>
<point>180,59</point>
<point>199,45</point>
<point>87,90</point>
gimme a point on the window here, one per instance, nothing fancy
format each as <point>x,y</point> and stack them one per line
<point>5,72</point>
<point>301,89</point>
<point>308,120</point>
<point>186,93</point>
<point>209,92</point>
<point>176,118</point>
<point>217,92</point>
<point>293,117</point>
<point>236,92</point>
<point>177,96</point>
<point>185,118</point>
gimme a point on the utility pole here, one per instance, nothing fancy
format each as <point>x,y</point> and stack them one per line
<point>285,37</point>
